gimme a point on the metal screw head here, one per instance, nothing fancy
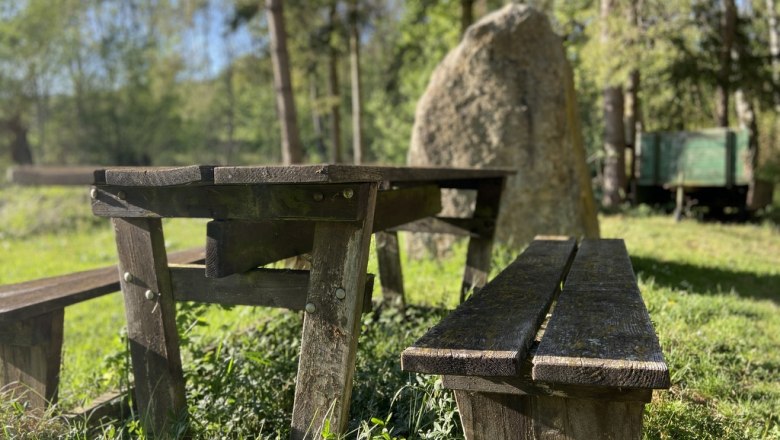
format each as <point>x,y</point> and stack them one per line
<point>341,293</point>
<point>318,197</point>
<point>310,308</point>
<point>93,193</point>
<point>121,195</point>
<point>128,277</point>
<point>348,193</point>
<point>150,295</point>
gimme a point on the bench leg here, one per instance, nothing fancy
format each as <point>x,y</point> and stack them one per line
<point>332,324</point>
<point>390,274</point>
<point>480,248</point>
<point>151,323</point>
<point>518,417</point>
<point>30,356</point>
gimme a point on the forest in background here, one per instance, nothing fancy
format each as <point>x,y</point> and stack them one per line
<point>136,82</point>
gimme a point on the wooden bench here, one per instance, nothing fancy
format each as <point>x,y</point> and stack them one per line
<point>31,326</point>
<point>520,371</point>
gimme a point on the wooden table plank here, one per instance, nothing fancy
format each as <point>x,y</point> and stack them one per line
<point>600,333</point>
<point>337,202</point>
<point>517,301</point>
<point>155,176</point>
<point>348,173</point>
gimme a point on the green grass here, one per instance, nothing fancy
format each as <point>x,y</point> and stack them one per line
<point>712,290</point>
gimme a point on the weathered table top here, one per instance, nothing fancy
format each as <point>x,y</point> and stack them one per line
<point>208,174</point>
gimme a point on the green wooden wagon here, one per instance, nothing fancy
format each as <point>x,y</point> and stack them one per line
<point>710,167</point>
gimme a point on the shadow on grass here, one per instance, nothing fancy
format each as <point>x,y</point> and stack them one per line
<point>708,280</point>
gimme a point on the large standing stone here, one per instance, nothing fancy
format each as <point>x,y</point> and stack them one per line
<point>505,98</point>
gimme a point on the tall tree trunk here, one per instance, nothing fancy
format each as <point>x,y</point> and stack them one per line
<point>292,150</point>
<point>774,50</point>
<point>230,114</point>
<point>21,154</point>
<point>614,131</point>
<point>632,103</point>
<point>728,31</point>
<point>316,119</point>
<point>746,113</point>
<point>357,106</point>
<point>466,15</point>
<point>614,147</point>
<point>632,124</point>
<point>333,92</point>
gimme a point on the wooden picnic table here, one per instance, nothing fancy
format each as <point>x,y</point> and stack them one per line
<point>261,214</point>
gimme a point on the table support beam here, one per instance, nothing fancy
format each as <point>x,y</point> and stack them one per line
<point>480,248</point>
<point>332,323</point>
<point>151,323</point>
<point>390,275</point>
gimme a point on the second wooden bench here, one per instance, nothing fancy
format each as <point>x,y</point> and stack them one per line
<point>524,366</point>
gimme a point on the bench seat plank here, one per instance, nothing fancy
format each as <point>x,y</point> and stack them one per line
<point>467,343</point>
<point>600,333</point>
<point>32,298</point>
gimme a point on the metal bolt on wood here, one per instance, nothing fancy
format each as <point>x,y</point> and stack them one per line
<point>341,293</point>
<point>128,277</point>
<point>318,197</point>
<point>310,308</point>
<point>93,193</point>
<point>150,295</point>
<point>348,193</point>
<point>121,195</point>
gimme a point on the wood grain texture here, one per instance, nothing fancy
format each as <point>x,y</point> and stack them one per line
<point>490,416</point>
<point>28,299</point>
<point>435,225</point>
<point>282,288</point>
<point>470,227</point>
<point>156,176</point>
<point>246,202</point>
<point>490,334</point>
<point>348,173</point>
<point>238,246</point>
<point>30,371</point>
<point>600,333</point>
<point>391,276</point>
<point>398,206</point>
<point>151,324</point>
<point>329,342</point>
<point>51,175</point>
<point>480,248</point>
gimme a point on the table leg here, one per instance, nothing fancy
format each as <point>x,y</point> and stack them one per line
<point>480,248</point>
<point>390,275</point>
<point>332,323</point>
<point>151,323</point>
